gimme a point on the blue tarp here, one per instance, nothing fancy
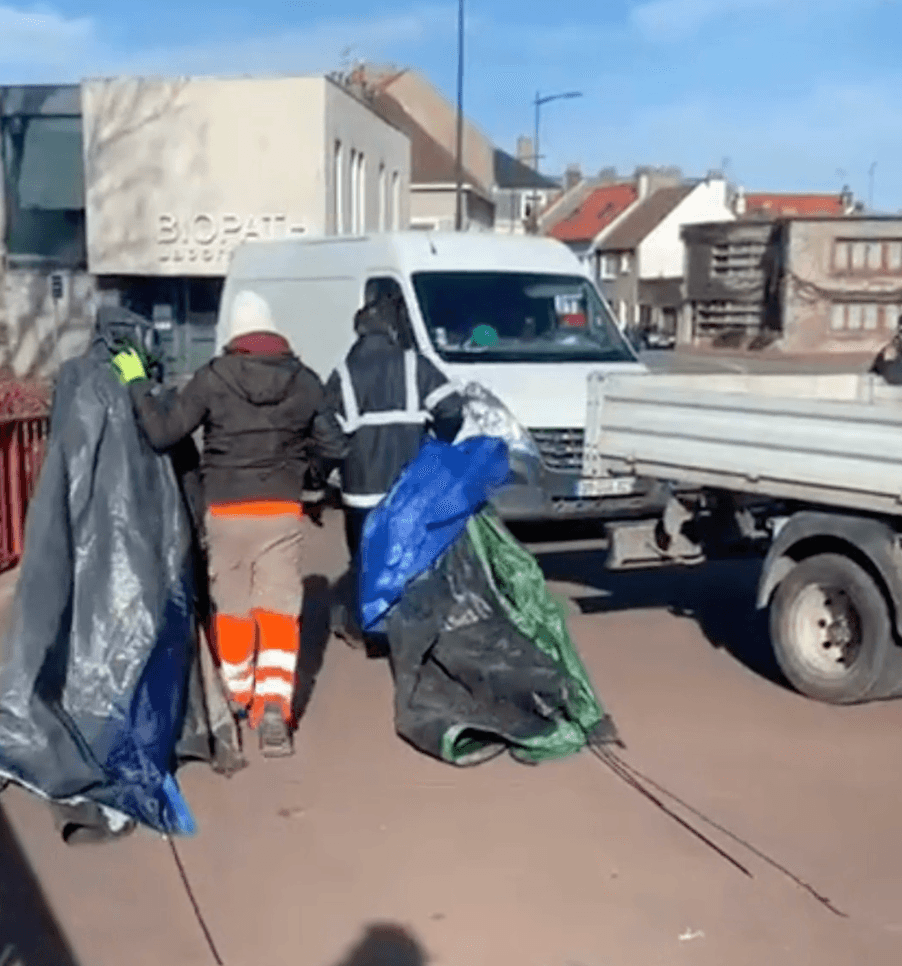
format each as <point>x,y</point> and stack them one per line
<point>423,514</point>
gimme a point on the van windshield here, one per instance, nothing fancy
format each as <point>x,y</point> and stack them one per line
<point>517,317</point>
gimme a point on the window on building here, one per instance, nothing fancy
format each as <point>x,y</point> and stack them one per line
<point>724,315</point>
<point>396,200</point>
<point>875,256</point>
<point>868,257</point>
<point>626,263</point>
<point>337,187</point>
<point>43,175</point>
<point>861,316</point>
<point>734,261</point>
<point>352,201</point>
<point>531,202</point>
<point>361,193</point>
<point>607,266</point>
<point>383,200</point>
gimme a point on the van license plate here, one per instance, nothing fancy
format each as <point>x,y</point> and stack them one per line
<point>606,486</point>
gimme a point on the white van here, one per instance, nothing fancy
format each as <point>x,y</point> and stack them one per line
<point>548,327</point>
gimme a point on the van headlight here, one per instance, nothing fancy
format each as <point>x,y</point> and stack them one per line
<point>486,415</point>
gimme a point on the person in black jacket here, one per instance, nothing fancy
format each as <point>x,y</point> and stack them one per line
<point>889,360</point>
<point>264,417</point>
<point>385,395</point>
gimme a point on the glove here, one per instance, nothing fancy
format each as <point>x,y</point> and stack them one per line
<point>129,367</point>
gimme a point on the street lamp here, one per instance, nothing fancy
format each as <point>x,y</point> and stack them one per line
<point>459,206</point>
<point>539,101</point>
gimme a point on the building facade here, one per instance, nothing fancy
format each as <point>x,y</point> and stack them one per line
<point>46,291</point>
<point>840,283</point>
<point>640,256</point>
<point>730,297</point>
<point>521,193</point>
<point>168,177</point>
<point>806,285</point>
<point>406,100</point>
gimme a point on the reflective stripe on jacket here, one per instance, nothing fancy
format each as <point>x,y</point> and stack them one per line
<point>384,398</point>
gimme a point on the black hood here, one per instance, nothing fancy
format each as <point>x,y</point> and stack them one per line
<point>115,324</point>
<point>261,380</point>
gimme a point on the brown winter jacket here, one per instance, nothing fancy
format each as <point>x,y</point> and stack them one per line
<point>264,419</point>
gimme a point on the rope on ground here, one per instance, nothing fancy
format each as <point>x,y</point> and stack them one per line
<point>616,765</point>
<point>636,779</point>
<point>194,904</point>
<point>740,841</point>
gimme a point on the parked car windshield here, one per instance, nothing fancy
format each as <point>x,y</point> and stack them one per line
<point>517,317</point>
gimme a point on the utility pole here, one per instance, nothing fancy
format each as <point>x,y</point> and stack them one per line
<point>459,207</point>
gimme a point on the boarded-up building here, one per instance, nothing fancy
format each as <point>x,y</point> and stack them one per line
<point>809,285</point>
<point>728,298</point>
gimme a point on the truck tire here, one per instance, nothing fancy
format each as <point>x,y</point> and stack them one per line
<point>831,631</point>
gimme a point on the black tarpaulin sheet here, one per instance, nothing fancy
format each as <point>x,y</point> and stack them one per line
<point>482,659</point>
<point>94,664</point>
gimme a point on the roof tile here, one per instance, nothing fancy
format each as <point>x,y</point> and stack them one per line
<point>596,212</point>
<point>775,205</point>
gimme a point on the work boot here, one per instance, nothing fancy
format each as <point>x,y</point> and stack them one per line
<point>275,735</point>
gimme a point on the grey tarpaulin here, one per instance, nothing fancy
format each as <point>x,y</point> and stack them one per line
<point>95,663</point>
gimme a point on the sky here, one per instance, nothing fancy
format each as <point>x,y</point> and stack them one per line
<point>784,95</point>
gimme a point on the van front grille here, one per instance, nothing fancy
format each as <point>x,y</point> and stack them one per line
<point>561,449</point>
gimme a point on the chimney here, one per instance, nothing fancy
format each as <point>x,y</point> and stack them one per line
<point>848,200</point>
<point>642,184</point>
<point>607,175</point>
<point>526,152</point>
<point>572,176</point>
<point>739,202</point>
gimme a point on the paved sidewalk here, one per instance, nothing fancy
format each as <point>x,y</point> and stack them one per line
<point>362,840</point>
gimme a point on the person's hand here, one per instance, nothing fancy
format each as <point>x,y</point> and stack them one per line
<point>129,367</point>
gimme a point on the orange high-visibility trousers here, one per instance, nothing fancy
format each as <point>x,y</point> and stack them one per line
<point>256,584</point>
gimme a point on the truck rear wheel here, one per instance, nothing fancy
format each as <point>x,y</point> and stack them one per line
<point>830,628</point>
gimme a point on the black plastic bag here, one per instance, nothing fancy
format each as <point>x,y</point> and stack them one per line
<point>94,667</point>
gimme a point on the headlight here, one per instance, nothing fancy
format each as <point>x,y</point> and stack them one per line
<point>486,415</point>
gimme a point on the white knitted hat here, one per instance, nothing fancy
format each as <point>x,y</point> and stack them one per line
<point>250,313</point>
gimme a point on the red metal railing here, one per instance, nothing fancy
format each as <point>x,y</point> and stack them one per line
<point>22,442</point>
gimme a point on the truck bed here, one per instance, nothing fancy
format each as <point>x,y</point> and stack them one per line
<point>834,440</point>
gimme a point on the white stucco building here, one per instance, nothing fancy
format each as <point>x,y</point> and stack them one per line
<point>640,257</point>
<point>172,175</point>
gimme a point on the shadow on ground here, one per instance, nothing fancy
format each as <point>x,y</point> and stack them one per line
<point>719,596</point>
<point>315,620</point>
<point>29,934</point>
<point>385,944</point>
